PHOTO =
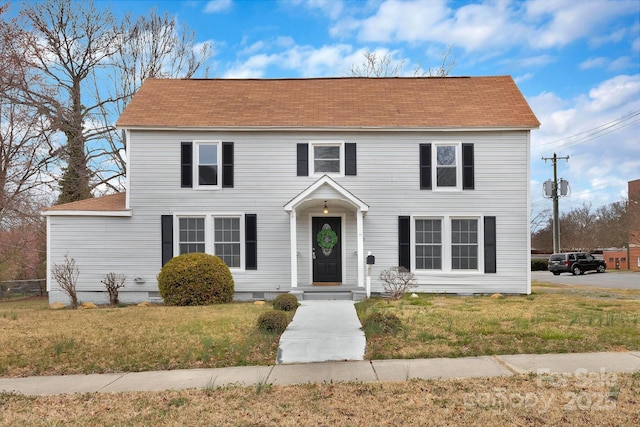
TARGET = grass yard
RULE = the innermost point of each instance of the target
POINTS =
(38, 341)
(554, 319)
(521, 400)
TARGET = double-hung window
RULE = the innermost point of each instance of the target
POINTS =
(191, 235)
(464, 244)
(446, 244)
(226, 240)
(208, 171)
(447, 166)
(428, 244)
(446, 173)
(327, 158)
(217, 235)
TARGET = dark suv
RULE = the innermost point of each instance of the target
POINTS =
(576, 263)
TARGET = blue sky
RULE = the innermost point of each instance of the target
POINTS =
(576, 62)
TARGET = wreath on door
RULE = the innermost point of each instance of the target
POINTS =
(327, 238)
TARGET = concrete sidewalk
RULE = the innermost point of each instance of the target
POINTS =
(578, 364)
(322, 331)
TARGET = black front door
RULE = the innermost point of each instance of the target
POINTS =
(327, 252)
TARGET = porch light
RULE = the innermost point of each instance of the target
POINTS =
(325, 209)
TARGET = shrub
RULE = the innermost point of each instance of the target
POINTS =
(66, 274)
(396, 281)
(274, 321)
(195, 279)
(538, 264)
(114, 282)
(286, 302)
(382, 323)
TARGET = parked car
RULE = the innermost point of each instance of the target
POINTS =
(575, 263)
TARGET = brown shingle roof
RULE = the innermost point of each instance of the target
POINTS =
(442, 102)
(112, 202)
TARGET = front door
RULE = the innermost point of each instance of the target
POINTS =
(326, 249)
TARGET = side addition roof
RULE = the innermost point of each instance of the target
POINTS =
(110, 205)
(352, 103)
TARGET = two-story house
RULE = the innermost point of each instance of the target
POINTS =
(293, 181)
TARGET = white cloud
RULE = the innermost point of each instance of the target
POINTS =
(598, 130)
(331, 8)
(597, 62)
(560, 22)
(216, 6)
(489, 25)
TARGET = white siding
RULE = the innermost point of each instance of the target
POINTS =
(265, 180)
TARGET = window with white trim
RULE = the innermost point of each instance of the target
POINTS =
(447, 173)
(327, 158)
(220, 235)
(428, 235)
(226, 240)
(447, 244)
(191, 235)
(208, 173)
(464, 244)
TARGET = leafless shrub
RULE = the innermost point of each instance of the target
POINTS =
(66, 274)
(113, 282)
(397, 281)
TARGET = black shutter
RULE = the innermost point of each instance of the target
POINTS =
(404, 242)
(489, 244)
(186, 162)
(425, 166)
(303, 159)
(167, 238)
(227, 164)
(250, 242)
(468, 181)
(350, 163)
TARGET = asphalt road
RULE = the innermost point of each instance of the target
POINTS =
(616, 279)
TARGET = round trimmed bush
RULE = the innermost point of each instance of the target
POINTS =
(195, 279)
(382, 323)
(286, 302)
(274, 321)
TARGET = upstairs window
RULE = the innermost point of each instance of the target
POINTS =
(206, 164)
(208, 161)
(327, 158)
(446, 166)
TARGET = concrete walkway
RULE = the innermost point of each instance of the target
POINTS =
(580, 365)
(322, 331)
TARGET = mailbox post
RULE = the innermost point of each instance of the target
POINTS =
(371, 260)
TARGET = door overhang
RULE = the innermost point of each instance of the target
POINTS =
(325, 188)
(309, 194)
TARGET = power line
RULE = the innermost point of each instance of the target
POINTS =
(593, 132)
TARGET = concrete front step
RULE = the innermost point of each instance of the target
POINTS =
(329, 293)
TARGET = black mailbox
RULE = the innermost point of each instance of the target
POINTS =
(371, 260)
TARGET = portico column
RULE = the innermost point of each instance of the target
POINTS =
(360, 237)
(294, 249)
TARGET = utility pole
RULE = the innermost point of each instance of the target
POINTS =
(554, 195)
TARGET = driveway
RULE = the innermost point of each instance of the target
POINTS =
(616, 279)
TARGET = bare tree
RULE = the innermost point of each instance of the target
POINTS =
(377, 65)
(384, 65)
(113, 283)
(153, 46)
(446, 64)
(84, 67)
(66, 274)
